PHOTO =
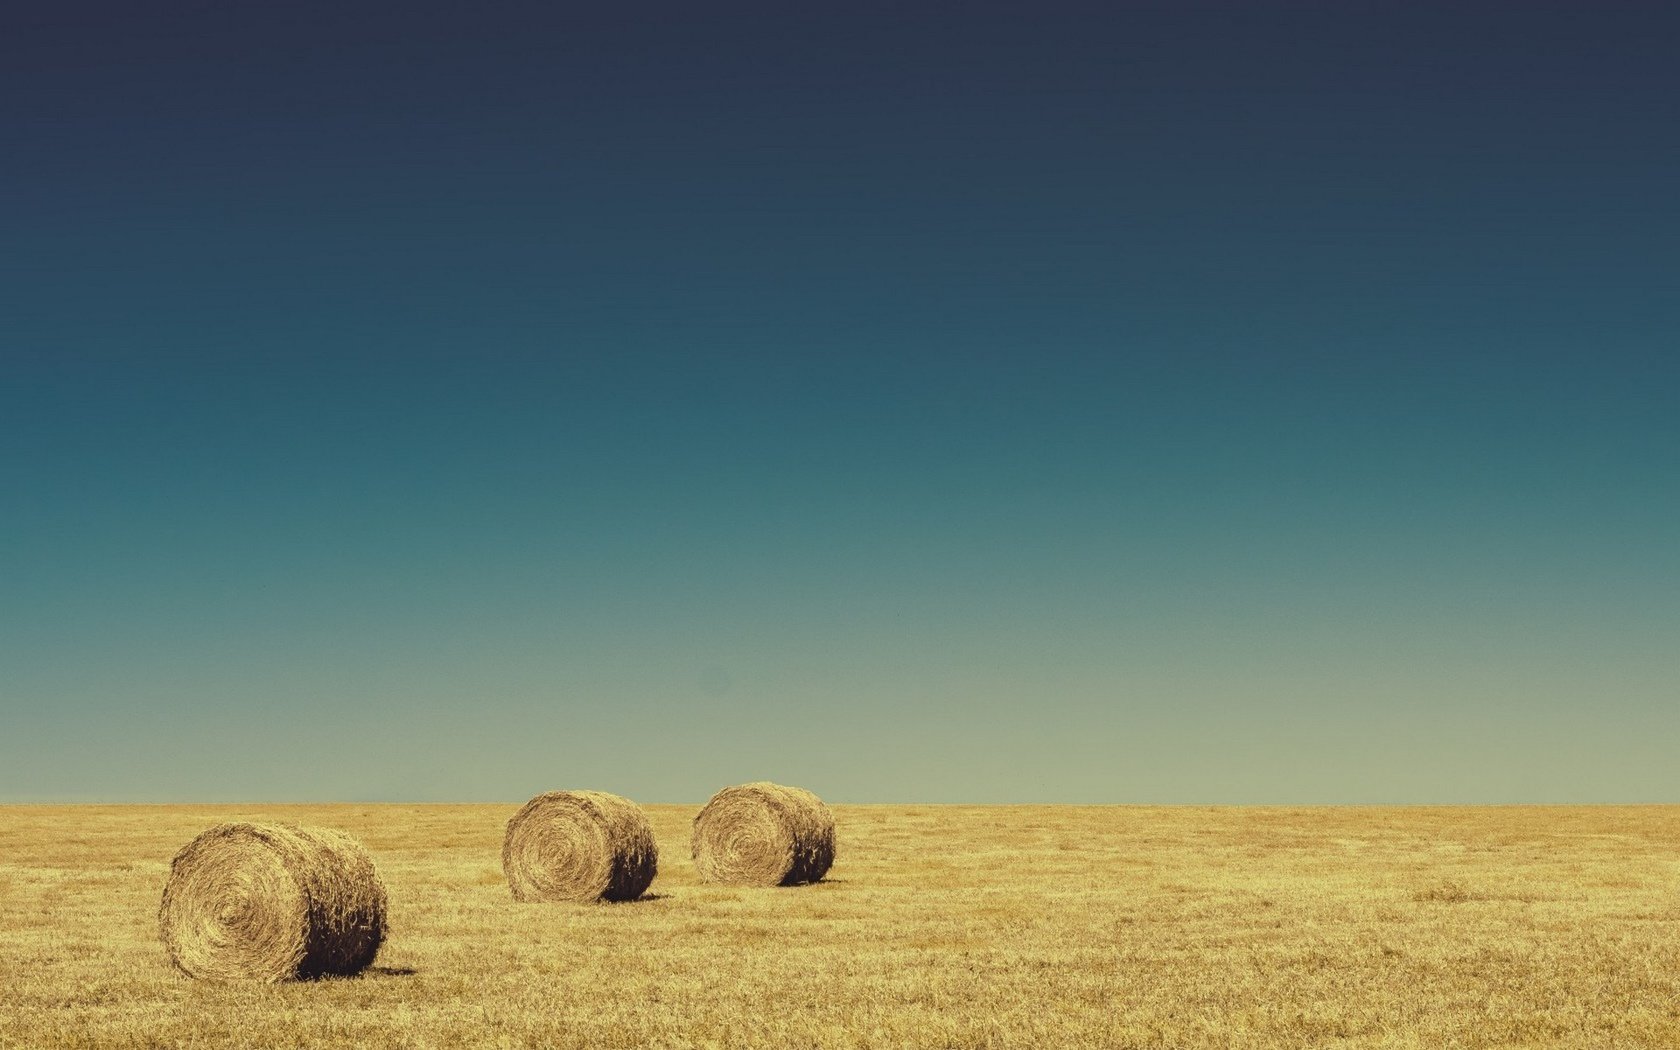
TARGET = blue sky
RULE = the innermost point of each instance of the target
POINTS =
(1169, 403)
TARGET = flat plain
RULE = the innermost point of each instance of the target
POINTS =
(940, 926)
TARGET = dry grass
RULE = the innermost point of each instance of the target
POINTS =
(939, 927)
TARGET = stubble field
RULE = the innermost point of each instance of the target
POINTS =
(938, 927)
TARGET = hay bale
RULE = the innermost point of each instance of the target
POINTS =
(763, 834)
(272, 902)
(579, 846)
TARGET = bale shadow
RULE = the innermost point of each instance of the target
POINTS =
(389, 971)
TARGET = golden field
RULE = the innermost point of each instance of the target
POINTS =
(940, 926)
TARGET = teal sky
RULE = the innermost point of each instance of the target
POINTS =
(1213, 404)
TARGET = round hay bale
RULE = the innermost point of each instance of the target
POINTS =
(579, 846)
(272, 902)
(763, 834)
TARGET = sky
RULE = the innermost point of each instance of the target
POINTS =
(1184, 403)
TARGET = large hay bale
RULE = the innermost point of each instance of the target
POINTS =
(272, 902)
(763, 834)
(579, 846)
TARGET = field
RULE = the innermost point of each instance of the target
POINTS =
(939, 927)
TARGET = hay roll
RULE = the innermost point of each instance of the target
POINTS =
(579, 846)
(763, 834)
(272, 902)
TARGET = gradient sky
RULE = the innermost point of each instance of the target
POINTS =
(1100, 403)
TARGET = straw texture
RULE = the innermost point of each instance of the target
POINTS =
(763, 834)
(579, 846)
(272, 902)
